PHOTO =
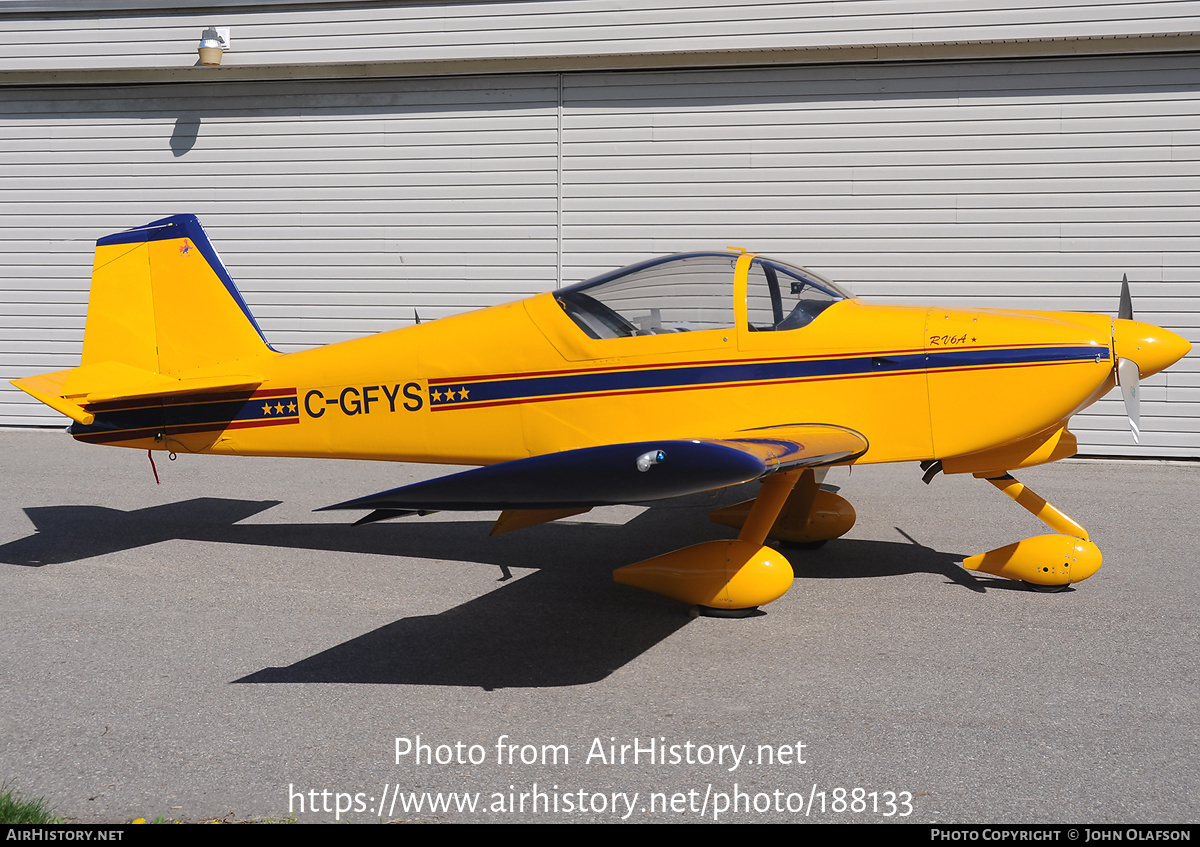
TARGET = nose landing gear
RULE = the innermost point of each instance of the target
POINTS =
(1046, 562)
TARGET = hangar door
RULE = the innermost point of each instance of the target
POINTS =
(351, 206)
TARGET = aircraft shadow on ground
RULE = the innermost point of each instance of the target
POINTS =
(566, 623)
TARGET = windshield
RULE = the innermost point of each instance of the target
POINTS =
(682, 293)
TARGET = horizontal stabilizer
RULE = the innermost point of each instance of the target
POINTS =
(169, 388)
(48, 388)
(624, 473)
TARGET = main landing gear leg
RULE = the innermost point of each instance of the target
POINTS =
(725, 578)
(1046, 562)
(810, 517)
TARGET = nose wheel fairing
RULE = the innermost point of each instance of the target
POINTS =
(1045, 561)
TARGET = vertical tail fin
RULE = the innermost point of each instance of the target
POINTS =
(163, 318)
(163, 302)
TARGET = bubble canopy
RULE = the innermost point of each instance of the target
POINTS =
(692, 292)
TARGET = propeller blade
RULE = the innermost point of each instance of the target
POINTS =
(1125, 310)
(1127, 378)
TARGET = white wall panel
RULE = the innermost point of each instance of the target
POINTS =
(495, 30)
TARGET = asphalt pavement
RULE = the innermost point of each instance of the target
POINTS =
(211, 648)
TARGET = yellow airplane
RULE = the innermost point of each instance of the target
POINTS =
(674, 376)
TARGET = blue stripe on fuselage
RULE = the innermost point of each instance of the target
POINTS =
(470, 392)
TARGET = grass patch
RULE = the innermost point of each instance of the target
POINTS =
(15, 810)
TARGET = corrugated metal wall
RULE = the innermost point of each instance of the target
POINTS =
(341, 207)
(308, 34)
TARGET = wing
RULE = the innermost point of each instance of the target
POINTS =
(623, 473)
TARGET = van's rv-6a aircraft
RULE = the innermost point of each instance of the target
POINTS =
(674, 376)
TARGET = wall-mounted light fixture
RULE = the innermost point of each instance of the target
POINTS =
(214, 41)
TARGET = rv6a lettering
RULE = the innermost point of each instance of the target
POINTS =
(364, 399)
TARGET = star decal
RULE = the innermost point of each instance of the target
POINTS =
(267, 409)
(279, 408)
(291, 408)
(462, 393)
